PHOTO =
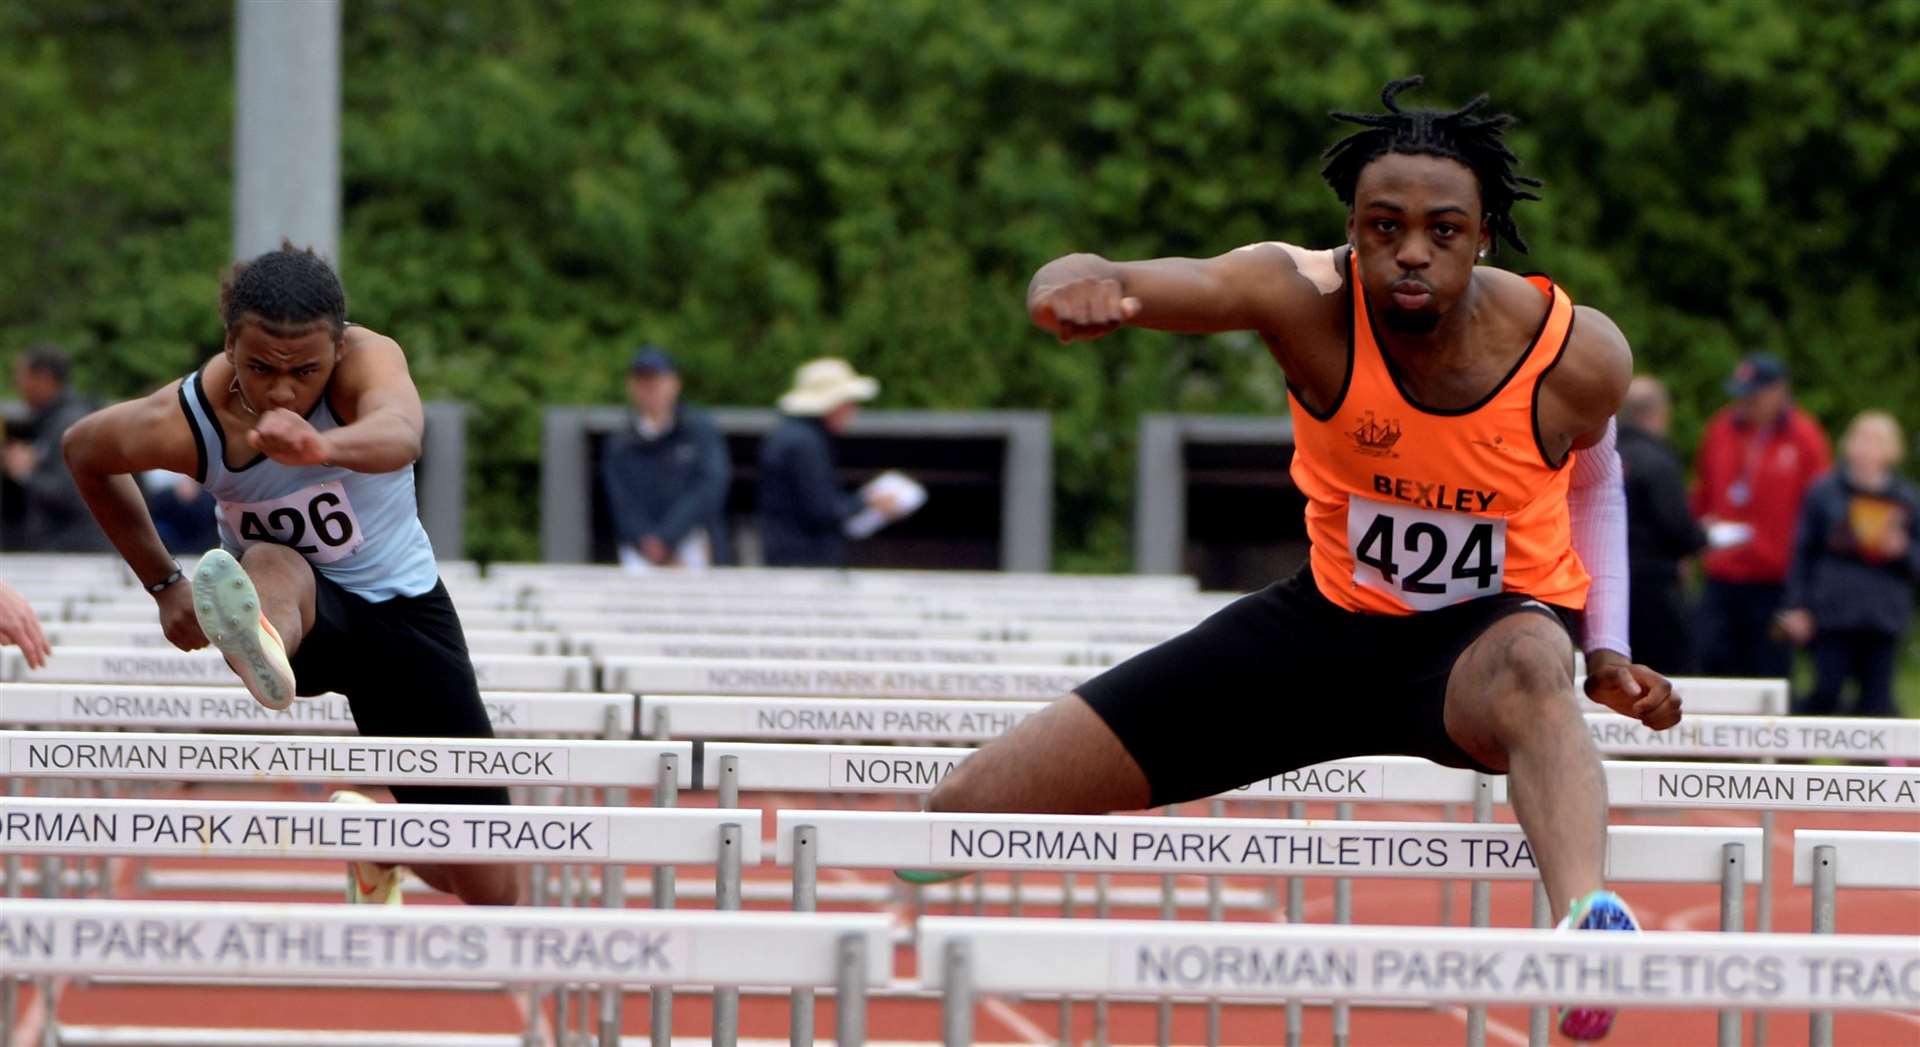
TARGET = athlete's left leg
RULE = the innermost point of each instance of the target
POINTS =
(1511, 705)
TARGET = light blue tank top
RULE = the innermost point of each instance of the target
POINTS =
(361, 530)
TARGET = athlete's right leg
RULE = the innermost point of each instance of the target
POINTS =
(257, 610)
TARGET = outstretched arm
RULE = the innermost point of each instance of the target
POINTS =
(1261, 287)
(104, 450)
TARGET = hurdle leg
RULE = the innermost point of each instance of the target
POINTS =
(726, 897)
(956, 1005)
(537, 898)
(1763, 907)
(1169, 910)
(660, 1000)
(806, 856)
(1216, 912)
(1733, 919)
(9, 985)
(1480, 905)
(1102, 906)
(1066, 1002)
(850, 995)
(1820, 1025)
(1296, 910)
(1342, 915)
(613, 886)
(1537, 1017)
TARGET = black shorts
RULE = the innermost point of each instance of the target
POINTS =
(1284, 678)
(403, 666)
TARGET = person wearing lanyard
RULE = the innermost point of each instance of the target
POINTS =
(1757, 458)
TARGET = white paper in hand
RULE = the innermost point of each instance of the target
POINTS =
(908, 496)
(1728, 533)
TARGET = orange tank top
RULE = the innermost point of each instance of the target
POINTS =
(1413, 509)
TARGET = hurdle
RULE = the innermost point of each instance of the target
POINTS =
(208, 666)
(1828, 859)
(1140, 959)
(512, 947)
(402, 833)
(840, 679)
(231, 708)
(588, 629)
(111, 634)
(761, 649)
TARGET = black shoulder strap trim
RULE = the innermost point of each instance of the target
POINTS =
(1539, 382)
(199, 439)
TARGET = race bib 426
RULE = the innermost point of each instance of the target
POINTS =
(1427, 559)
(317, 522)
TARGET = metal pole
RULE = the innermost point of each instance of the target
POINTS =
(286, 134)
(956, 1006)
(1480, 903)
(806, 856)
(1216, 912)
(1342, 915)
(1296, 913)
(726, 897)
(1067, 899)
(1537, 1017)
(729, 781)
(613, 886)
(1820, 1026)
(1733, 919)
(850, 999)
(1102, 906)
(536, 897)
(1446, 886)
(1763, 907)
(660, 1000)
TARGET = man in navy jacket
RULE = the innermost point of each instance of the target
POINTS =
(666, 473)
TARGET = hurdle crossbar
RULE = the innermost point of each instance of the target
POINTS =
(1424, 964)
(97, 755)
(79, 705)
(387, 832)
(1770, 787)
(1240, 846)
(1861, 858)
(186, 940)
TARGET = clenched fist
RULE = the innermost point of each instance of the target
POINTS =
(1632, 690)
(288, 439)
(1082, 309)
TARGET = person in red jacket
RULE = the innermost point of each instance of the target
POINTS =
(1757, 458)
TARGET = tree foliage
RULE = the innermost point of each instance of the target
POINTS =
(531, 188)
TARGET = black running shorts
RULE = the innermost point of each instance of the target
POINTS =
(403, 666)
(1283, 678)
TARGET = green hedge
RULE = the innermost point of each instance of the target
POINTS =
(531, 188)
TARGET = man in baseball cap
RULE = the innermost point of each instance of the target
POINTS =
(1757, 458)
(665, 473)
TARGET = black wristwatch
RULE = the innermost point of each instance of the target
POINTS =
(159, 586)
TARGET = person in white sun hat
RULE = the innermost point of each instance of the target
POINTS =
(803, 508)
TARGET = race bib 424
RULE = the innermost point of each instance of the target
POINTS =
(1427, 559)
(317, 522)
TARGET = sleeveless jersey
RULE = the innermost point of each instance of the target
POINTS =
(1411, 508)
(361, 531)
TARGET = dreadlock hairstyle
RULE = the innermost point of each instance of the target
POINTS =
(1474, 141)
(288, 292)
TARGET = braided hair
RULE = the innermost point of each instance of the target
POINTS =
(1461, 135)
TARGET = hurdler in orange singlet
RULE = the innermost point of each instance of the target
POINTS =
(1412, 509)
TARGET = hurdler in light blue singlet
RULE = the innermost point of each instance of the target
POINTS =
(359, 530)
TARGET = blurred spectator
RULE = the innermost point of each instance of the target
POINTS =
(54, 518)
(1756, 460)
(803, 510)
(19, 627)
(1660, 530)
(666, 474)
(182, 511)
(1856, 558)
